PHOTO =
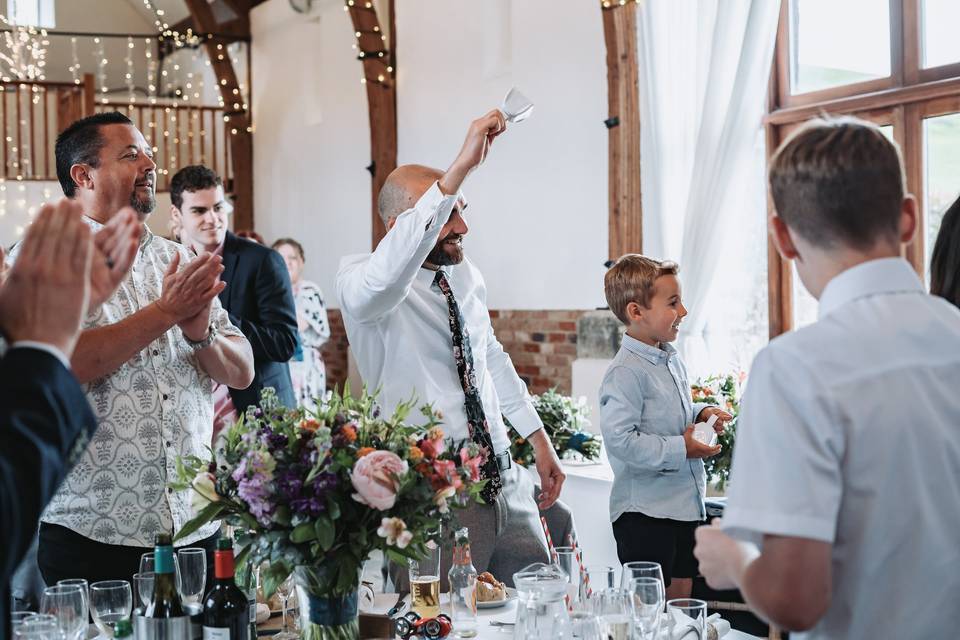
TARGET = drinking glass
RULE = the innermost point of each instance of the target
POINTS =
(147, 566)
(596, 578)
(193, 574)
(615, 610)
(425, 582)
(640, 569)
(110, 601)
(68, 605)
(39, 626)
(285, 590)
(567, 560)
(687, 619)
(17, 617)
(648, 596)
(83, 584)
(143, 588)
(582, 625)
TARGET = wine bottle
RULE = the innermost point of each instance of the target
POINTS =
(225, 609)
(166, 601)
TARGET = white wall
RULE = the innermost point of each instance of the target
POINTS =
(538, 210)
(312, 141)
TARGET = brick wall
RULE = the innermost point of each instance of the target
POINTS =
(542, 345)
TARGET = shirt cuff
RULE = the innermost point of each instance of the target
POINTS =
(676, 453)
(700, 406)
(525, 421)
(432, 203)
(43, 346)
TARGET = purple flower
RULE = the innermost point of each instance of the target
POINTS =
(254, 476)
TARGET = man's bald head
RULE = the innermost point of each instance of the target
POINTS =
(403, 187)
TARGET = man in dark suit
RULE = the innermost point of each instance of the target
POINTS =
(258, 297)
(45, 420)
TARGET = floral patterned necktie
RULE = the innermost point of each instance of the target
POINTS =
(476, 420)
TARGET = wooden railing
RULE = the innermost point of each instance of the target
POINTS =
(33, 113)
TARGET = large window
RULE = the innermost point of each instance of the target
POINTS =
(901, 71)
(31, 13)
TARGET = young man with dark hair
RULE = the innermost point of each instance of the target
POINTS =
(258, 296)
(147, 359)
(845, 469)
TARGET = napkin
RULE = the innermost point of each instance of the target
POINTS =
(516, 107)
(681, 627)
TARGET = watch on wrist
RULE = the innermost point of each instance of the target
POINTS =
(197, 345)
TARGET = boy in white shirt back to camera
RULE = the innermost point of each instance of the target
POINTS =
(846, 471)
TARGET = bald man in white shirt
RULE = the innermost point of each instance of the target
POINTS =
(416, 316)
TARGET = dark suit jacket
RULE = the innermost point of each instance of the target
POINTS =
(259, 299)
(45, 424)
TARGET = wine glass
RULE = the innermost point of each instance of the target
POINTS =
(147, 565)
(648, 599)
(110, 601)
(285, 590)
(582, 625)
(640, 569)
(83, 584)
(615, 610)
(68, 605)
(143, 586)
(192, 563)
(687, 616)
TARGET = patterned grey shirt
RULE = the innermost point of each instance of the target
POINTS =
(155, 407)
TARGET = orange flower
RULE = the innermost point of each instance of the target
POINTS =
(364, 451)
(349, 432)
(415, 454)
(309, 424)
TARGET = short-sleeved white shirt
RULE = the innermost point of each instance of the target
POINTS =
(850, 434)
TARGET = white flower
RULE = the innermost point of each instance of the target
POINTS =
(204, 491)
(395, 531)
(441, 497)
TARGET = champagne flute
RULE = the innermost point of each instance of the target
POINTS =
(193, 574)
(67, 604)
(284, 590)
(110, 602)
(615, 610)
(648, 597)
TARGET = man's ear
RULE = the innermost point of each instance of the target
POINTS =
(175, 214)
(391, 222)
(782, 240)
(80, 174)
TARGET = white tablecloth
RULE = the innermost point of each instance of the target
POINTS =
(506, 613)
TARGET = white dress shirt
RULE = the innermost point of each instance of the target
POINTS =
(155, 407)
(398, 328)
(850, 434)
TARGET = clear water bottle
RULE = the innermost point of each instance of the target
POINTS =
(463, 588)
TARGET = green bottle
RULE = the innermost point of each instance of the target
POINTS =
(166, 601)
(124, 629)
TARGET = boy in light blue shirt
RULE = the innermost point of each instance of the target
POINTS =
(646, 416)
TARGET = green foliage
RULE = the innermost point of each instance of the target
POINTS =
(724, 392)
(565, 421)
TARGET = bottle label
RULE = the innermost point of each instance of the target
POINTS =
(214, 633)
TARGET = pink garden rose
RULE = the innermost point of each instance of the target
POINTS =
(375, 477)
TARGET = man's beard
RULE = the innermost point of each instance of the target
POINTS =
(443, 256)
(143, 206)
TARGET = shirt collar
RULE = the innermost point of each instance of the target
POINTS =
(645, 351)
(875, 277)
(146, 236)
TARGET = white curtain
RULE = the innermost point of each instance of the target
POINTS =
(704, 69)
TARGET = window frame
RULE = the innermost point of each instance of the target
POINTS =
(904, 99)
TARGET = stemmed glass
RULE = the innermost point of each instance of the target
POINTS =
(68, 605)
(640, 569)
(193, 574)
(285, 590)
(687, 616)
(147, 565)
(110, 602)
(143, 586)
(648, 597)
(78, 582)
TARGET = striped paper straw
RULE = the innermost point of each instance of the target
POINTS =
(584, 576)
(550, 547)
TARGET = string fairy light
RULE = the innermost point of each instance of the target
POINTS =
(379, 55)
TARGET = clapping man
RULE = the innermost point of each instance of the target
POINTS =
(148, 358)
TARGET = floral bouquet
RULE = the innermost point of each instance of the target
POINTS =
(314, 492)
(724, 392)
(564, 421)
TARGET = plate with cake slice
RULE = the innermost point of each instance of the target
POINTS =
(491, 593)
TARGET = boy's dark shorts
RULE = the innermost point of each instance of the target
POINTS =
(669, 542)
